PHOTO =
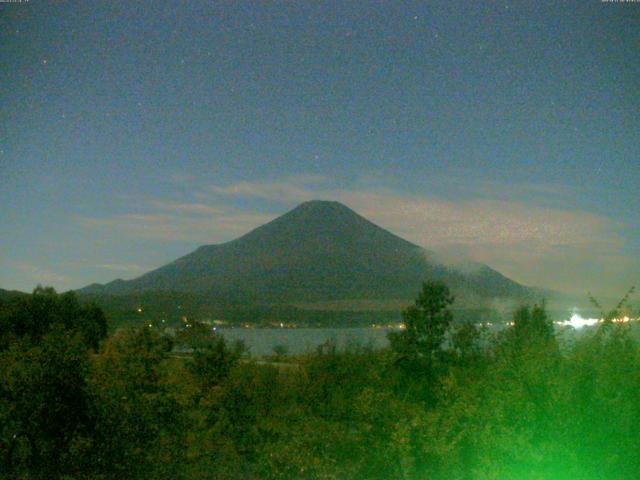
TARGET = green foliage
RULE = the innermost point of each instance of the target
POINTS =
(280, 351)
(43, 403)
(194, 335)
(426, 322)
(532, 325)
(138, 424)
(32, 316)
(519, 405)
(419, 350)
(44, 407)
(213, 361)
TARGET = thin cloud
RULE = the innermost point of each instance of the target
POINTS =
(188, 208)
(201, 226)
(292, 189)
(39, 275)
(432, 222)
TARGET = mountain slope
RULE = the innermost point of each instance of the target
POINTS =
(7, 295)
(319, 251)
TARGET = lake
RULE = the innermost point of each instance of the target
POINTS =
(260, 341)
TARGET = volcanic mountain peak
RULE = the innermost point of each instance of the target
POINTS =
(319, 251)
(313, 229)
(319, 217)
(322, 207)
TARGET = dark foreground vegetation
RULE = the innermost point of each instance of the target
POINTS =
(444, 401)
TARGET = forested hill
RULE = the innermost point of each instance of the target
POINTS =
(10, 294)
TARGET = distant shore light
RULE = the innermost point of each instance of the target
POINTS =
(576, 321)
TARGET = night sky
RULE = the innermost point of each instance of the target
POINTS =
(133, 132)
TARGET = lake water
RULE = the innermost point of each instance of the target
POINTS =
(261, 341)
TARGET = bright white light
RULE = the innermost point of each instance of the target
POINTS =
(576, 321)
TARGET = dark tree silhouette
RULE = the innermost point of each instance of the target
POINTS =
(419, 347)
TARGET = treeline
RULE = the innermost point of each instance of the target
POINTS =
(172, 307)
(445, 401)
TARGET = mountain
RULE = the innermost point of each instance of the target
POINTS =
(318, 252)
(7, 295)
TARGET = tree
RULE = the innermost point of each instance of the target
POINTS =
(44, 409)
(426, 323)
(419, 347)
(466, 340)
(195, 336)
(32, 316)
(280, 351)
(532, 325)
(212, 363)
(139, 424)
(616, 312)
(42, 403)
